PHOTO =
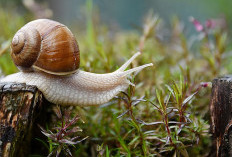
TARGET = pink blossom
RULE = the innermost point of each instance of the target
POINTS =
(205, 84)
(216, 23)
(209, 24)
(198, 26)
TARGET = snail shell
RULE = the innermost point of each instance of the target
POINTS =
(45, 45)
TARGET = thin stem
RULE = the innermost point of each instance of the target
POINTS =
(143, 143)
(4, 50)
(167, 128)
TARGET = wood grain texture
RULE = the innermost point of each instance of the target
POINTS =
(19, 106)
(221, 116)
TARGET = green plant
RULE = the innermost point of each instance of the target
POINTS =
(61, 138)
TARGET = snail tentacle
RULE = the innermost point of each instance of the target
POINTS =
(128, 62)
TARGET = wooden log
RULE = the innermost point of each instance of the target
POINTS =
(221, 116)
(19, 106)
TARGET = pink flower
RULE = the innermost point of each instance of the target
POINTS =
(198, 26)
(205, 84)
(210, 23)
(216, 23)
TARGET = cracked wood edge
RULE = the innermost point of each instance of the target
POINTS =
(19, 106)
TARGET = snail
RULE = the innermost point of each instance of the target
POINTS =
(48, 56)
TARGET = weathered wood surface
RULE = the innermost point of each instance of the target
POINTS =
(221, 116)
(20, 104)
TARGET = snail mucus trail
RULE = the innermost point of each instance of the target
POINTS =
(54, 66)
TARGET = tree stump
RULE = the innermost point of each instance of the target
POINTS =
(19, 106)
(221, 116)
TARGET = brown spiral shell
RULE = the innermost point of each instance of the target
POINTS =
(45, 45)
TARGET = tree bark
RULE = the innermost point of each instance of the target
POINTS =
(221, 116)
(20, 104)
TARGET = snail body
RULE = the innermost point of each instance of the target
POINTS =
(69, 85)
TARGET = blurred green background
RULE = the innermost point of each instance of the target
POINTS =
(127, 14)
